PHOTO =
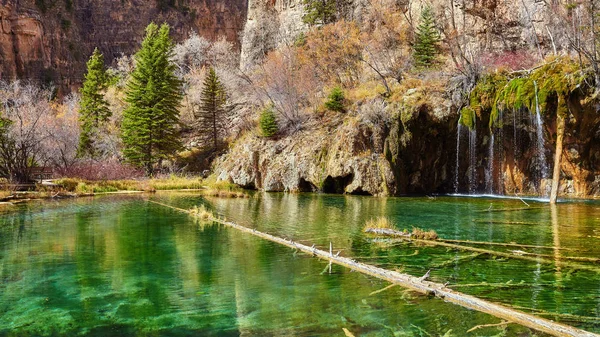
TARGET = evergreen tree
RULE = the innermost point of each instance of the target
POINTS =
(426, 39)
(335, 100)
(211, 115)
(93, 110)
(319, 11)
(153, 93)
(268, 122)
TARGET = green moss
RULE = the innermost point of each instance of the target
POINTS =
(467, 117)
(553, 81)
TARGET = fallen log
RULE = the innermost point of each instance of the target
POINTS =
(515, 255)
(499, 222)
(509, 209)
(503, 244)
(488, 326)
(416, 284)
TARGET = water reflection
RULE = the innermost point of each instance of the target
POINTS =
(553, 286)
(122, 266)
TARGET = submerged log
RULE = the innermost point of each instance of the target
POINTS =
(416, 284)
(519, 255)
(509, 209)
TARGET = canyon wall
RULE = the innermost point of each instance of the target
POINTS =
(50, 40)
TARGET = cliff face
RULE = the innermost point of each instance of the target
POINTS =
(341, 157)
(50, 40)
(490, 26)
(355, 155)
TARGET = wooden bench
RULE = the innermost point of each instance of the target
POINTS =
(41, 173)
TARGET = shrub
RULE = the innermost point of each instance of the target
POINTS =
(103, 170)
(335, 100)
(201, 212)
(418, 233)
(268, 122)
(381, 222)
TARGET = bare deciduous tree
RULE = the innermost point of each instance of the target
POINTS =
(27, 110)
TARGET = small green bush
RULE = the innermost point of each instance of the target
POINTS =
(268, 122)
(335, 100)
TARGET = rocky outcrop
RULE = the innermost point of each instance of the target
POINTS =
(356, 153)
(339, 158)
(50, 40)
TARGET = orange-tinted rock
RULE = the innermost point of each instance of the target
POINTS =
(52, 44)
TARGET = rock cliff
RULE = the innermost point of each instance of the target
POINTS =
(50, 40)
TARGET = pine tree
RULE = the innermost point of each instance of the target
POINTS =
(426, 39)
(93, 110)
(335, 100)
(211, 115)
(319, 11)
(268, 122)
(154, 94)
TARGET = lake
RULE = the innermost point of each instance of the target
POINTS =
(121, 266)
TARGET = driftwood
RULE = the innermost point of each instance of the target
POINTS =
(505, 285)
(572, 258)
(513, 255)
(509, 209)
(383, 289)
(498, 222)
(488, 326)
(347, 332)
(503, 244)
(457, 260)
(416, 284)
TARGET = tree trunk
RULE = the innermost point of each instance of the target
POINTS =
(560, 132)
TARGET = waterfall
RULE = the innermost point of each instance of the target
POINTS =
(457, 172)
(473, 161)
(541, 155)
(489, 173)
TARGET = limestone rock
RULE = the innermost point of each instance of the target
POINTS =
(341, 162)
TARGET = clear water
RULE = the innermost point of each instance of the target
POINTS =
(123, 266)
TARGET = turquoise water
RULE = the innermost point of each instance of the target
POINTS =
(121, 266)
(571, 229)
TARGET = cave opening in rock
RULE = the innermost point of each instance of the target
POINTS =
(306, 186)
(337, 185)
(359, 191)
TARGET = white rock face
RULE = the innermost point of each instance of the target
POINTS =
(268, 26)
(342, 160)
(490, 26)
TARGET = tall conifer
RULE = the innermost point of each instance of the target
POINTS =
(93, 110)
(319, 11)
(211, 115)
(153, 93)
(426, 39)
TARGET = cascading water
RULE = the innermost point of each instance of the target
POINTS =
(542, 166)
(456, 174)
(472, 161)
(489, 173)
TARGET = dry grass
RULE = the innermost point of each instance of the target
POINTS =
(381, 222)
(5, 194)
(223, 189)
(225, 193)
(201, 212)
(418, 233)
(176, 183)
(102, 186)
